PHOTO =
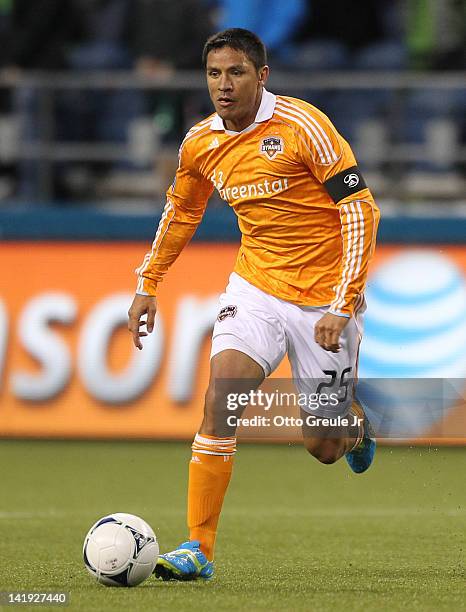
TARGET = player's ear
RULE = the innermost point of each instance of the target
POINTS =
(263, 75)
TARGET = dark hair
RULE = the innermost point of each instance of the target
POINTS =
(241, 40)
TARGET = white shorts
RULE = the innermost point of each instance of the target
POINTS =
(267, 328)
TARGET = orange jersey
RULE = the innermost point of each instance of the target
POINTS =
(298, 243)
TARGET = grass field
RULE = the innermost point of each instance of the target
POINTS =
(294, 535)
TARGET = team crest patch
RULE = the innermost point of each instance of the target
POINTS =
(227, 311)
(272, 146)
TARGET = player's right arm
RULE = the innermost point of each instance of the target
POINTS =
(142, 305)
(186, 202)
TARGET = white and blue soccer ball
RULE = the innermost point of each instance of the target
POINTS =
(120, 550)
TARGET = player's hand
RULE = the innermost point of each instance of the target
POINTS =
(142, 305)
(327, 331)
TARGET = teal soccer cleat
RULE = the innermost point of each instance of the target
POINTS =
(187, 562)
(360, 458)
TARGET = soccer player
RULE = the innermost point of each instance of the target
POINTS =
(308, 225)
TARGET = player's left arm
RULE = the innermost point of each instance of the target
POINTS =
(332, 162)
(359, 217)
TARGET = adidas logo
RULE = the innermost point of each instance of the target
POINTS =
(214, 144)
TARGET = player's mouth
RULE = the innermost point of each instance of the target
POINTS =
(225, 102)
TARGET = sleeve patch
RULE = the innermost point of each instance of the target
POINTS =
(344, 184)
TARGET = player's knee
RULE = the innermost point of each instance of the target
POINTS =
(325, 451)
(326, 457)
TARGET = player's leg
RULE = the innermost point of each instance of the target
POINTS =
(329, 379)
(329, 443)
(211, 465)
(248, 343)
(232, 372)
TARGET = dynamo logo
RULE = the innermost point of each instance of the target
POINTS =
(351, 180)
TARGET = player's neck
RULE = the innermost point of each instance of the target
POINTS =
(240, 124)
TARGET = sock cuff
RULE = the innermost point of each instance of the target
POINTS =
(210, 445)
(359, 412)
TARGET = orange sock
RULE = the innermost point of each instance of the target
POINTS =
(209, 474)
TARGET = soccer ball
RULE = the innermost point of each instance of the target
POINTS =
(120, 550)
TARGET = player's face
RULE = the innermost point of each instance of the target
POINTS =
(235, 86)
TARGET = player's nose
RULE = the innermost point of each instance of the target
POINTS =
(224, 84)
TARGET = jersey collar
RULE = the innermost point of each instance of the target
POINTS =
(265, 112)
